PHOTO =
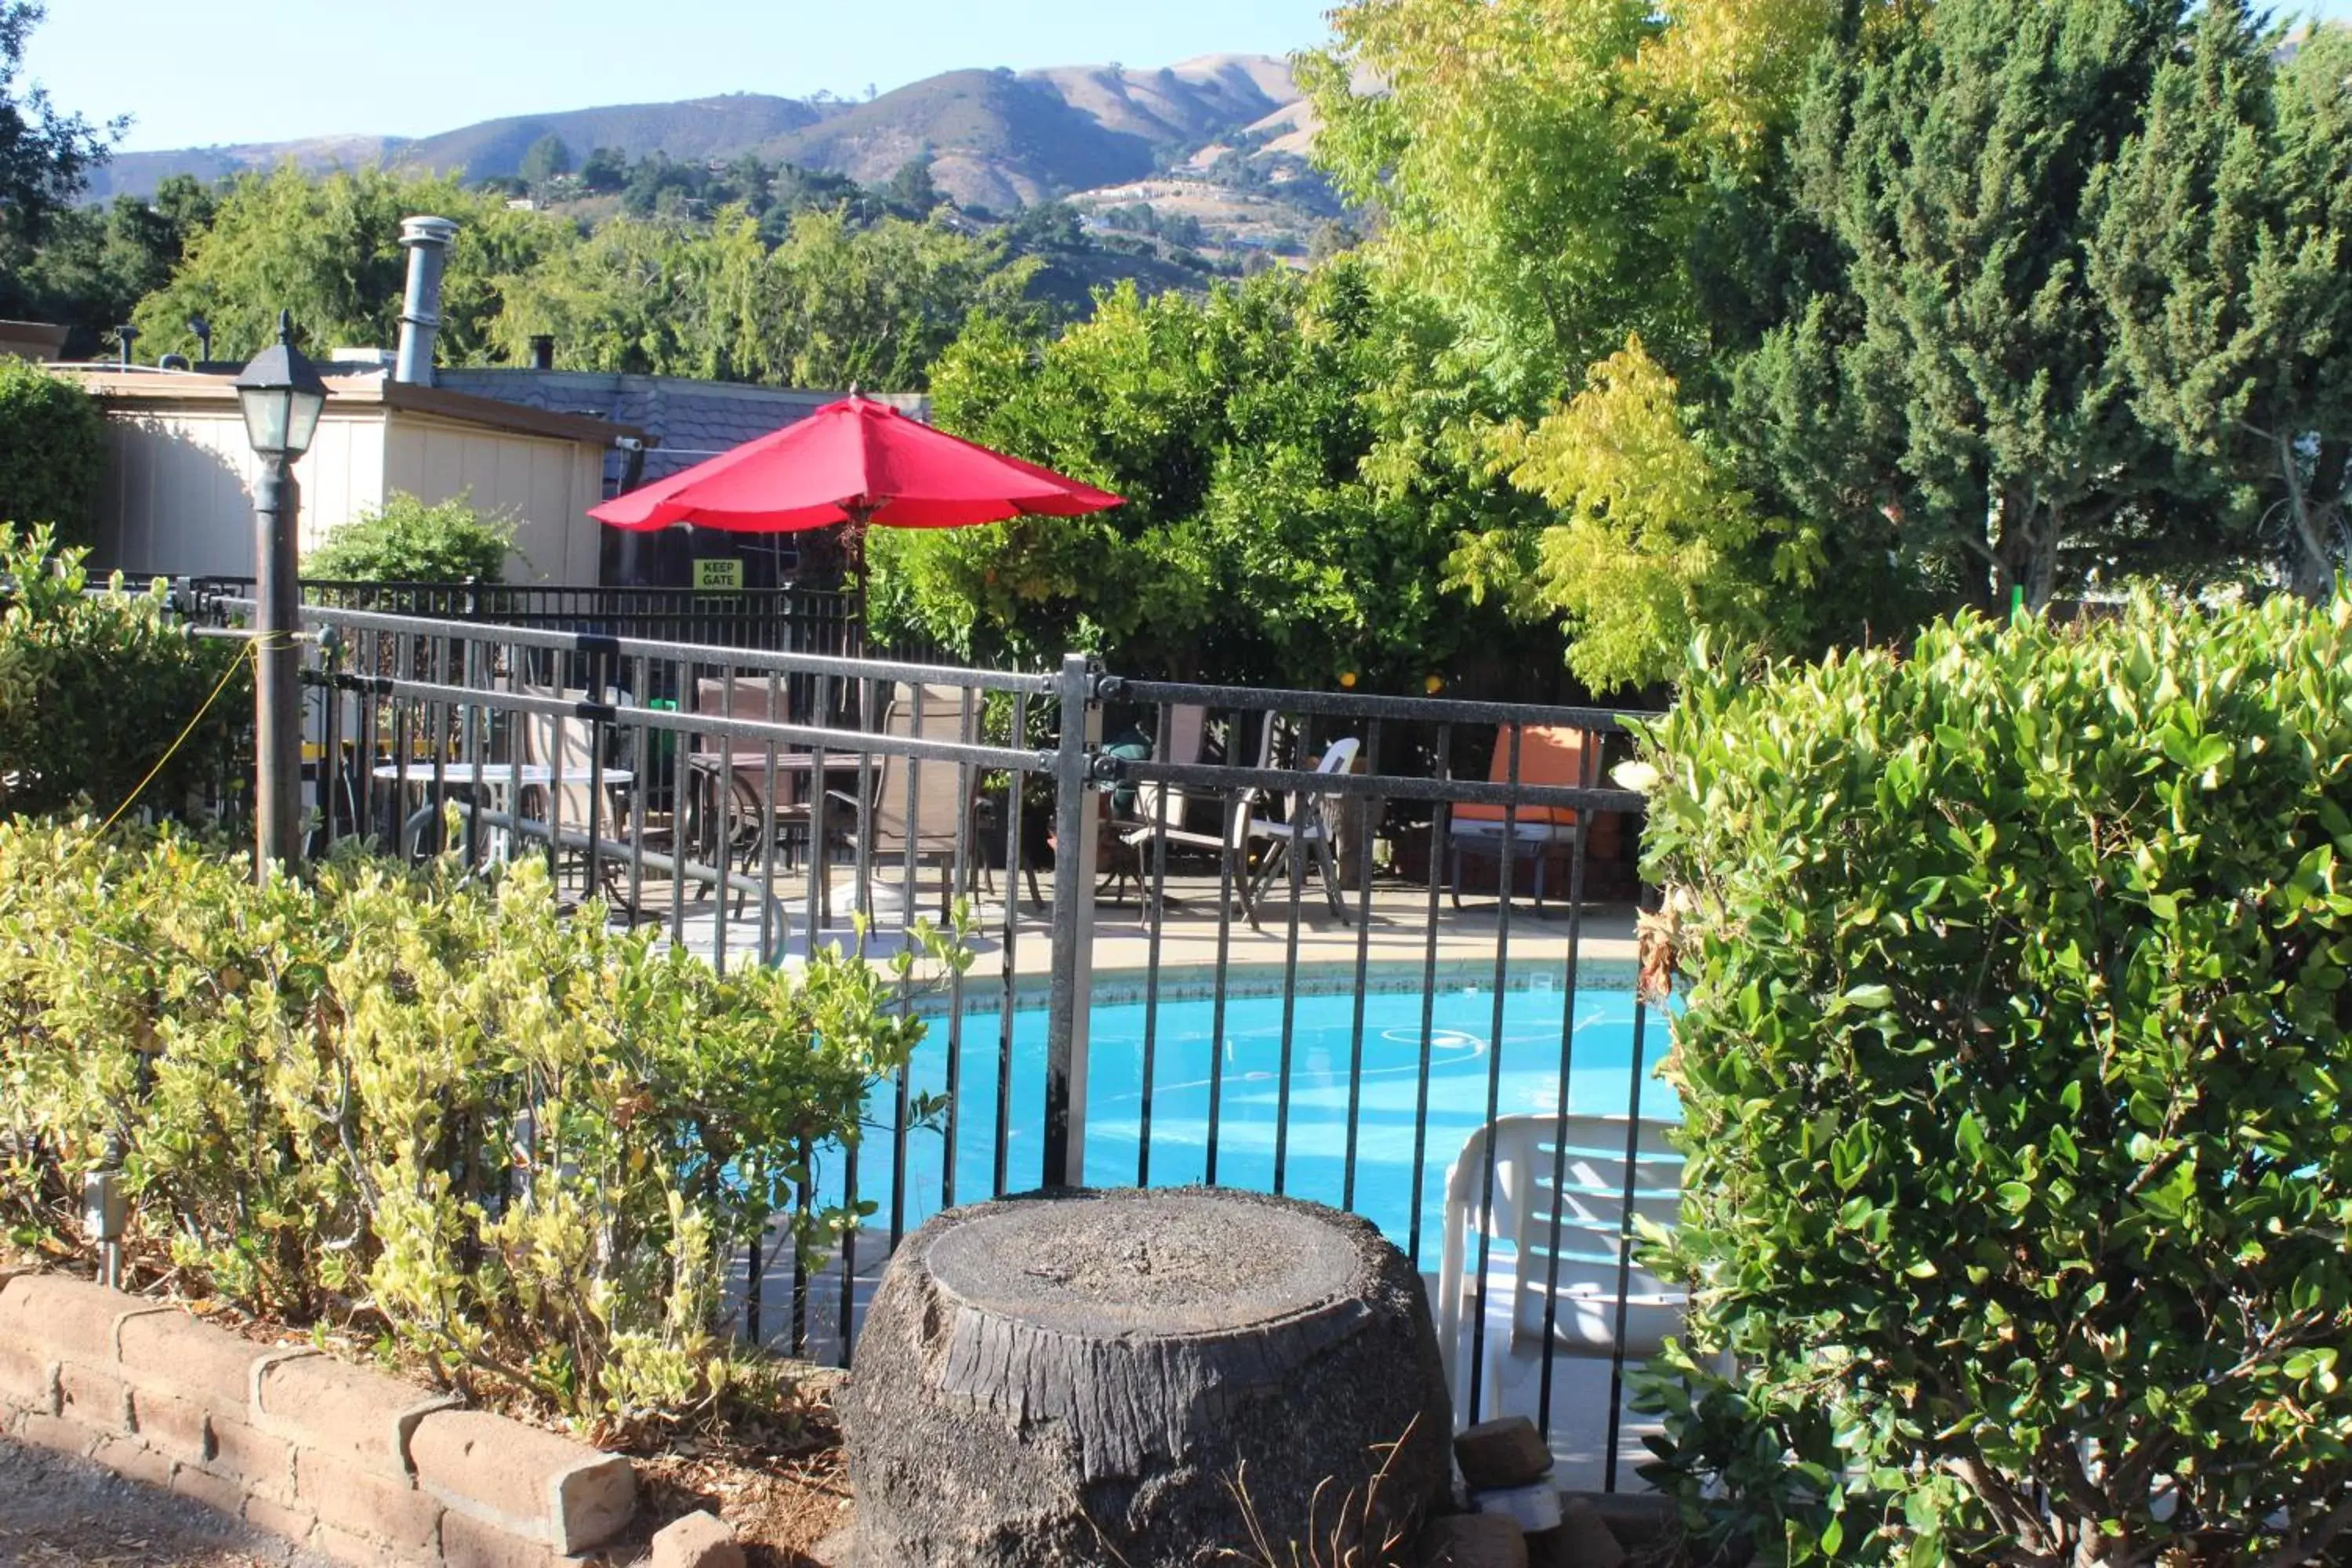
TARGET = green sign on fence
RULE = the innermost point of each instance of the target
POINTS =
(723, 576)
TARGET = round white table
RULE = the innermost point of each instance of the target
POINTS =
(499, 778)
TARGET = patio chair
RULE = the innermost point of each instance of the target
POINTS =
(569, 746)
(1307, 828)
(742, 810)
(1549, 755)
(920, 807)
(1161, 812)
(1578, 1277)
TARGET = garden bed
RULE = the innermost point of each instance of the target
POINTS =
(775, 1478)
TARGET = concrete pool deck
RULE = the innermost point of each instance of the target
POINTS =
(1398, 934)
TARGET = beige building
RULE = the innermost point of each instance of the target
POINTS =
(36, 340)
(178, 496)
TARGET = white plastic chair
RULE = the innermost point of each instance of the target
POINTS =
(1306, 830)
(1591, 1194)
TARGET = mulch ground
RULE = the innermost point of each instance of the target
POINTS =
(779, 1511)
(60, 1512)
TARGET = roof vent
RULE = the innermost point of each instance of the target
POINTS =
(427, 241)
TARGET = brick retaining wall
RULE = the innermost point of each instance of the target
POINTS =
(360, 1466)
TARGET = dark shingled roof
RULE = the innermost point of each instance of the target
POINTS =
(684, 421)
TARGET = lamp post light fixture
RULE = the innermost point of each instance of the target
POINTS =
(282, 398)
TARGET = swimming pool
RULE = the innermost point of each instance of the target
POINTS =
(1243, 1078)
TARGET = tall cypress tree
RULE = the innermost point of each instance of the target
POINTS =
(2224, 235)
(1959, 395)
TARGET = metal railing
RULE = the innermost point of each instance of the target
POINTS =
(1286, 943)
(791, 619)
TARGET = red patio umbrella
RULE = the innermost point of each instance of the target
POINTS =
(857, 462)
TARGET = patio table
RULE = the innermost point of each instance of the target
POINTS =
(498, 778)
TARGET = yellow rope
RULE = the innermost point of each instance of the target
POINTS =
(173, 750)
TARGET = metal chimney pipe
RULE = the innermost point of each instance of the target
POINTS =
(427, 243)
(542, 352)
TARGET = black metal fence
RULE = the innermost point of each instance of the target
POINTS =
(794, 618)
(1265, 959)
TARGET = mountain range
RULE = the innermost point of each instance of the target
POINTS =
(1225, 133)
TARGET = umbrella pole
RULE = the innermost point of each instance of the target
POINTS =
(855, 539)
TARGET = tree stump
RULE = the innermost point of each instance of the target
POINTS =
(1103, 1376)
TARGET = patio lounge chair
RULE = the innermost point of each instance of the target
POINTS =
(1307, 828)
(1549, 755)
(1578, 1277)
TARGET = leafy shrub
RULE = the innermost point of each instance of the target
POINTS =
(522, 1146)
(409, 541)
(94, 690)
(52, 449)
(2018, 1091)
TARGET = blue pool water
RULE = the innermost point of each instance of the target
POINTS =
(1244, 1075)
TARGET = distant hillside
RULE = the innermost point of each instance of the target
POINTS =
(1221, 138)
(138, 174)
(1176, 106)
(697, 128)
(996, 139)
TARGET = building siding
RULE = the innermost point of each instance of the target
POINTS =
(544, 485)
(178, 496)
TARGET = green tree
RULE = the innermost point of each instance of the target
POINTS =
(606, 170)
(95, 264)
(2223, 239)
(46, 154)
(1571, 185)
(411, 541)
(796, 190)
(1267, 533)
(834, 304)
(52, 450)
(1047, 229)
(747, 183)
(1542, 165)
(327, 250)
(543, 160)
(1959, 393)
(1656, 539)
(657, 183)
(910, 193)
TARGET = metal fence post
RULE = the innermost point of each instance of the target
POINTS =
(277, 663)
(1074, 928)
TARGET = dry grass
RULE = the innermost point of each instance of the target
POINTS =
(1357, 1534)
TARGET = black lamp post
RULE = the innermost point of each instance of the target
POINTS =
(282, 397)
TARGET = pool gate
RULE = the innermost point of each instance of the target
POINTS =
(757, 803)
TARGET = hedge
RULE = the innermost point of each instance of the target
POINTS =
(410, 541)
(2017, 1093)
(519, 1147)
(52, 450)
(103, 696)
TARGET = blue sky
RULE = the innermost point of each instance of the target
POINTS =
(198, 72)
